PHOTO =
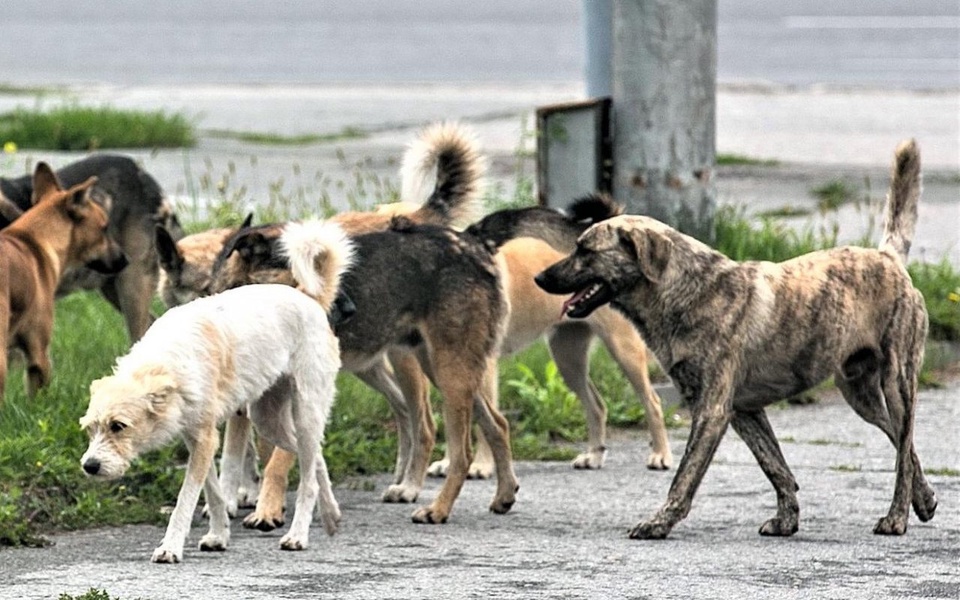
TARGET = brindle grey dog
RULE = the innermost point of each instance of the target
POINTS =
(736, 337)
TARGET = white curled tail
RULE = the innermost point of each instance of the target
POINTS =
(319, 253)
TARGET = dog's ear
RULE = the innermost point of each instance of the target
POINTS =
(79, 199)
(253, 247)
(170, 258)
(247, 222)
(650, 248)
(44, 182)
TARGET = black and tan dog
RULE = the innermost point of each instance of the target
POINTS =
(64, 229)
(529, 240)
(736, 337)
(427, 292)
(446, 153)
(135, 205)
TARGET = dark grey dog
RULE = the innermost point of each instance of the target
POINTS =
(736, 337)
(136, 205)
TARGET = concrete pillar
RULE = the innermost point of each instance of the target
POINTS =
(664, 110)
(598, 47)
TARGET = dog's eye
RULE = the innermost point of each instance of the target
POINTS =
(117, 426)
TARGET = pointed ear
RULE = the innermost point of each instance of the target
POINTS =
(253, 247)
(80, 198)
(247, 222)
(650, 248)
(44, 182)
(170, 258)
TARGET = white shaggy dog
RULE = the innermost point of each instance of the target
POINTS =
(266, 346)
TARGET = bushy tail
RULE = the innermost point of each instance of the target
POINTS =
(449, 154)
(902, 200)
(319, 253)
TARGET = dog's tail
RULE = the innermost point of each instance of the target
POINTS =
(449, 154)
(319, 253)
(902, 200)
(594, 208)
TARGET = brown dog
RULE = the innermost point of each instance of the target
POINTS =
(64, 229)
(736, 337)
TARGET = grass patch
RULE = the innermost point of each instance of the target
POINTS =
(834, 194)
(86, 128)
(91, 594)
(276, 139)
(847, 468)
(10, 89)
(943, 472)
(724, 160)
(784, 212)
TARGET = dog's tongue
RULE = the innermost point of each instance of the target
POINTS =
(571, 301)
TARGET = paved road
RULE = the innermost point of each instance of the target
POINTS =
(884, 43)
(566, 537)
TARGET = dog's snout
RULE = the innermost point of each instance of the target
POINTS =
(343, 309)
(541, 280)
(91, 466)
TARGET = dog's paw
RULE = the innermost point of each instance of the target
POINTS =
(659, 461)
(231, 510)
(166, 555)
(246, 498)
(779, 527)
(429, 515)
(891, 526)
(479, 470)
(401, 494)
(330, 519)
(212, 542)
(925, 505)
(502, 506)
(438, 468)
(293, 543)
(591, 459)
(262, 522)
(650, 530)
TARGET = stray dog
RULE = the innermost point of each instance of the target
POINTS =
(736, 337)
(135, 204)
(268, 347)
(64, 229)
(447, 154)
(529, 240)
(421, 291)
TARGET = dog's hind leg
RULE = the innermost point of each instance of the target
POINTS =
(711, 412)
(755, 430)
(632, 355)
(415, 389)
(311, 397)
(137, 283)
(496, 430)
(36, 347)
(202, 445)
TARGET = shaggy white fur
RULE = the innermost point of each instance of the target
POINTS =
(269, 347)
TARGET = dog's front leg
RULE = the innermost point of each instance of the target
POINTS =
(202, 449)
(233, 460)
(712, 412)
(755, 430)
(219, 535)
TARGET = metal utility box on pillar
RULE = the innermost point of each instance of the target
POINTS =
(664, 110)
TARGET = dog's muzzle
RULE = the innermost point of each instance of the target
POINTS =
(91, 466)
(342, 310)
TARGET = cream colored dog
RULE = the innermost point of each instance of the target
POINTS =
(269, 347)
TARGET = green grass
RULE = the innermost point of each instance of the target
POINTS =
(89, 128)
(276, 139)
(91, 594)
(834, 194)
(943, 472)
(739, 159)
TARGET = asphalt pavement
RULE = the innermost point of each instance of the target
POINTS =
(566, 536)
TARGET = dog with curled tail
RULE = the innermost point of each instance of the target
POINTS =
(269, 348)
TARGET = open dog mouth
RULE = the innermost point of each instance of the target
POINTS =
(585, 301)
